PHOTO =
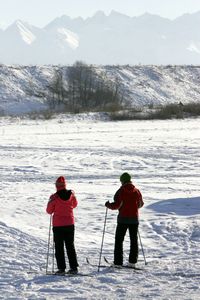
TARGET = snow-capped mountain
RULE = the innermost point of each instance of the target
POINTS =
(20, 31)
(16, 42)
(102, 39)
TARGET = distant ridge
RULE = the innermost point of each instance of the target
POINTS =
(102, 39)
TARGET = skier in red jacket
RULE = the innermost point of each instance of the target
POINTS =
(61, 205)
(127, 200)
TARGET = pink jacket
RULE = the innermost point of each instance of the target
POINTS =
(62, 208)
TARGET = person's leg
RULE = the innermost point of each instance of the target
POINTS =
(119, 238)
(133, 255)
(69, 243)
(59, 248)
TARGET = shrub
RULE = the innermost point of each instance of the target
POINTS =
(168, 112)
(192, 109)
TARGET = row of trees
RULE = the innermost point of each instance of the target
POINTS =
(81, 88)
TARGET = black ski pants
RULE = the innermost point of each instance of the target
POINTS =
(119, 239)
(64, 236)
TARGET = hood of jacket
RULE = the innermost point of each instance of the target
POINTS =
(64, 194)
(128, 186)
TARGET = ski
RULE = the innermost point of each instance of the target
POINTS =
(69, 275)
(33, 272)
(95, 265)
(109, 265)
(123, 266)
(37, 272)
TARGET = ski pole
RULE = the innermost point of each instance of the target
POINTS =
(102, 239)
(145, 262)
(48, 247)
(53, 254)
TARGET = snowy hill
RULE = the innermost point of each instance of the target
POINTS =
(102, 39)
(25, 88)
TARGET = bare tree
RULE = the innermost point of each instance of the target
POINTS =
(81, 87)
(56, 88)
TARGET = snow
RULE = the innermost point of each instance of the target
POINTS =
(194, 48)
(163, 158)
(27, 36)
(22, 90)
(70, 37)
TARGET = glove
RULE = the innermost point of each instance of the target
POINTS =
(107, 203)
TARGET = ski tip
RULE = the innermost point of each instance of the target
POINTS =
(87, 260)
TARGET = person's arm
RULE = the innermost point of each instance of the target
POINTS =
(117, 201)
(140, 201)
(50, 205)
(74, 200)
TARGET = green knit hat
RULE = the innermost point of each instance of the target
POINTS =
(125, 177)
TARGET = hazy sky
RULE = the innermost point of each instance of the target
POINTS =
(40, 12)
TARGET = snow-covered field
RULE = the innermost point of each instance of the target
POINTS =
(164, 160)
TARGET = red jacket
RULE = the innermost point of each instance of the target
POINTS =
(127, 200)
(61, 205)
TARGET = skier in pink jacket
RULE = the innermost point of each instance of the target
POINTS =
(61, 205)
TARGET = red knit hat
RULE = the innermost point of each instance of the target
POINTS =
(60, 183)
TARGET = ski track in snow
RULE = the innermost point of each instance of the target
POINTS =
(163, 158)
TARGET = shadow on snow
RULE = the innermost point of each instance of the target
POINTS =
(179, 206)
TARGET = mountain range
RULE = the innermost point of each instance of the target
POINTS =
(101, 39)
